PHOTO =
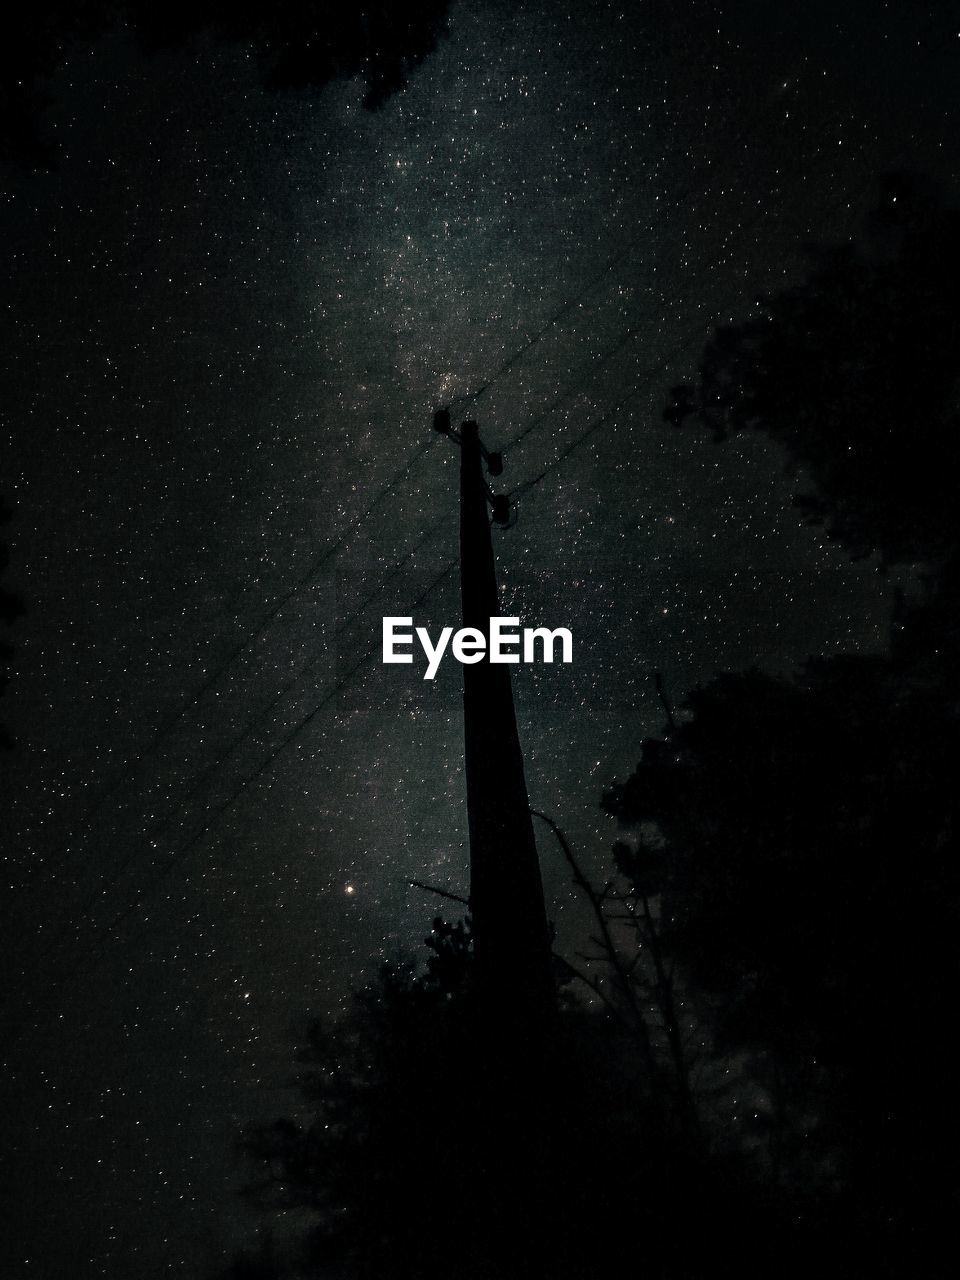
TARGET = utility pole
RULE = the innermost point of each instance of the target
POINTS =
(510, 934)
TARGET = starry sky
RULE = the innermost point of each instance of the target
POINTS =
(228, 316)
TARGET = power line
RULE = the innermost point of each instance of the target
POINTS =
(115, 877)
(272, 613)
(577, 442)
(113, 925)
(593, 281)
(172, 721)
(305, 721)
(597, 424)
(103, 889)
(200, 782)
(532, 342)
(677, 350)
(605, 418)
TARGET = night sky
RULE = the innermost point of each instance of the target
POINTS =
(229, 314)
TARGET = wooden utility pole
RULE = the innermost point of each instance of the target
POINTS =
(510, 934)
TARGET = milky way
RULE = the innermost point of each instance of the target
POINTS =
(229, 318)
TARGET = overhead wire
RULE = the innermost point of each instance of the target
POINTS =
(292, 734)
(104, 933)
(577, 442)
(132, 763)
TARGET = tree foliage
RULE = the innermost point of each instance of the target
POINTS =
(786, 881)
(302, 45)
(430, 1148)
(800, 835)
(855, 373)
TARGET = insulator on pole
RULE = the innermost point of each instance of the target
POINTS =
(500, 505)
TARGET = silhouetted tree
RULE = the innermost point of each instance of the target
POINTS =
(855, 373)
(420, 1158)
(786, 887)
(799, 836)
(300, 46)
(628, 970)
